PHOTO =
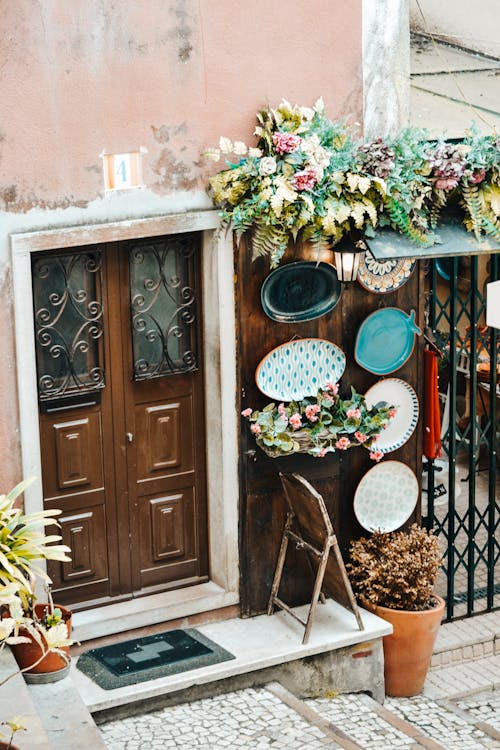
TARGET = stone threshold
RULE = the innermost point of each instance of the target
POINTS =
(145, 611)
(261, 644)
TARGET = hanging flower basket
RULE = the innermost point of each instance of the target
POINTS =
(320, 424)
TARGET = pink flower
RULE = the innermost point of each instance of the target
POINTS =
(255, 428)
(322, 453)
(376, 455)
(306, 179)
(328, 398)
(311, 412)
(332, 387)
(447, 183)
(246, 412)
(360, 437)
(296, 421)
(393, 413)
(343, 443)
(478, 176)
(354, 414)
(281, 409)
(285, 143)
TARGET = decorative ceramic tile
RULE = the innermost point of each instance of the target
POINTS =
(297, 369)
(401, 427)
(386, 496)
(383, 276)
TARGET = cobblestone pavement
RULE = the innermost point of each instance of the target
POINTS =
(484, 706)
(252, 718)
(257, 719)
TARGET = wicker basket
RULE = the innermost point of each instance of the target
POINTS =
(304, 441)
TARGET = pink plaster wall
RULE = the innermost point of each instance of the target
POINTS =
(80, 76)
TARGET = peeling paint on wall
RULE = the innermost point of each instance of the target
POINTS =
(16, 202)
(174, 173)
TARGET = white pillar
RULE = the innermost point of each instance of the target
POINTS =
(386, 67)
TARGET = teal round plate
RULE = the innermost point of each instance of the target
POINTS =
(300, 291)
(385, 340)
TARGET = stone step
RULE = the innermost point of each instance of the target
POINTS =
(463, 678)
(265, 649)
(467, 640)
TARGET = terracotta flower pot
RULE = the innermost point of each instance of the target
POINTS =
(5, 745)
(408, 651)
(27, 654)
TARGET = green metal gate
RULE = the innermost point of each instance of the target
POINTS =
(462, 486)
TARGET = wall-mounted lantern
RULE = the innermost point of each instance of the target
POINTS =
(348, 254)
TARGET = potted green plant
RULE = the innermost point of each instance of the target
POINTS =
(38, 633)
(320, 424)
(393, 575)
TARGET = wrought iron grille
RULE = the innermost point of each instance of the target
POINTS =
(67, 297)
(469, 520)
(163, 302)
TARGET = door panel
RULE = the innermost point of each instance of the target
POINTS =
(123, 461)
(165, 438)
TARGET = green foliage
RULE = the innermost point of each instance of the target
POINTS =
(310, 179)
(397, 569)
(23, 543)
(324, 423)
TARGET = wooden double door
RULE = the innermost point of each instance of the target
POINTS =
(120, 381)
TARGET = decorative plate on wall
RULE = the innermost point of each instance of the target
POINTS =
(383, 276)
(300, 291)
(401, 427)
(386, 496)
(297, 369)
(385, 340)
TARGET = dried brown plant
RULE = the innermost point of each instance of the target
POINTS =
(397, 569)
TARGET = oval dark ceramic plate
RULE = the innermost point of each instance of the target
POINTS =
(300, 291)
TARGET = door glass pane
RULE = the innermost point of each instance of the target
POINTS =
(68, 323)
(163, 306)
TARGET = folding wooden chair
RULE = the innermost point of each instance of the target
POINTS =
(308, 525)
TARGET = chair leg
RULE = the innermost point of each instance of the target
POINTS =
(278, 572)
(316, 592)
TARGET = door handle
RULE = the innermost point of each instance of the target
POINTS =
(129, 436)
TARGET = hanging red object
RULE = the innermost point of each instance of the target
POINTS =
(432, 417)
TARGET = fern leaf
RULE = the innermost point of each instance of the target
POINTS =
(402, 221)
(271, 241)
(471, 201)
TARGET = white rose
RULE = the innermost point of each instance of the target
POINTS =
(239, 148)
(267, 166)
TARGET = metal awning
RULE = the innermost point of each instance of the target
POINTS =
(454, 239)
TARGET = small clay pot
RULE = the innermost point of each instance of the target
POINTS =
(27, 654)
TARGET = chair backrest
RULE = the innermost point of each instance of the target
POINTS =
(309, 509)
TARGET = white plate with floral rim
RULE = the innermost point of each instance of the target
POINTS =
(292, 371)
(384, 276)
(386, 496)
(400, 394)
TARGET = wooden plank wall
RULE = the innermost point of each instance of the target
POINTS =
(336, 476)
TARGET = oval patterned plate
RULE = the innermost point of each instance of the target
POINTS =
(383, 276)
(297, 369)
(386, 496)
(300, 291)
(385, 340)
(401, 427)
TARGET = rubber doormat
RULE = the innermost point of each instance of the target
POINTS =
(150, 657)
